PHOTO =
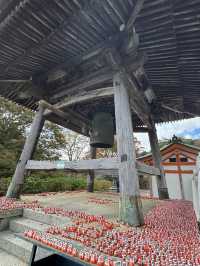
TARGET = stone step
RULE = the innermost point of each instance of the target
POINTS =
(20, 225)
(10, 260)
(45, 218)
(12, 244)
(15, 246)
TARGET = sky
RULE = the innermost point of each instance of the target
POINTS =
(189, 128)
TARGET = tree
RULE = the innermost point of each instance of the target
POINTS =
(15, 124)
(75, 146)
(112, 152)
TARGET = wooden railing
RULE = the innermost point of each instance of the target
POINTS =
(85, 165)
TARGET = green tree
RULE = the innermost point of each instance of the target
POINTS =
(15, 124)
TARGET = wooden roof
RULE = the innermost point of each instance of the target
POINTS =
(60, 41)
(169, 148)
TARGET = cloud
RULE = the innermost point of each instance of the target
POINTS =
(189, 128)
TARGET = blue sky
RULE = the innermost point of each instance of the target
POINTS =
(194, 133)
(189, 128)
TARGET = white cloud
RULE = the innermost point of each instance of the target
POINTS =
(167, 130)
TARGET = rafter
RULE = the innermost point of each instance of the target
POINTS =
(138, 7)
(86, 8)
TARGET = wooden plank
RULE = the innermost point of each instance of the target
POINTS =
(82, 165)
(147, 169)
(130, 203)
(29, 146)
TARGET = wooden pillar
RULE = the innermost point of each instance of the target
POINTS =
(180, 176)
(130, 202)
(29, 147)
(155, 149)
(91, 174)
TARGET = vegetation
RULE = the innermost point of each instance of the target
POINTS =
(36, 184)
(15, 124)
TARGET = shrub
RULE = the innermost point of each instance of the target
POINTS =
(101, 184)
(36, 184)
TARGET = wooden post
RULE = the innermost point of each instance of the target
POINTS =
(155, 149)
(130, 202)
(180, 176)
(91, 174)
(29, 146)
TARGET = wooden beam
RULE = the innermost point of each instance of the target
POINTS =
(96, 78)
(78, 119)
(82, 165)
(176, 110)
(29, 146)
(147, 169)
(85, 97)
(138, 102)
(138, 7)
(130, 202)
(140, 129)
(91, 53)
(99, 77)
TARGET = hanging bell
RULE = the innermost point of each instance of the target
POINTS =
(102, 132)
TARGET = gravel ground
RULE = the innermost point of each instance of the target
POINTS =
(81, 200)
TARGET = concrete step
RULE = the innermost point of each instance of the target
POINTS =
(20, 225)
(10, 260)
(45, 218)
(19, 248)
(15, 246)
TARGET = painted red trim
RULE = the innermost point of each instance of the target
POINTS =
(178, 171)
(178, 163)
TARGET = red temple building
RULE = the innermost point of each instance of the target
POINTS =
(179, 161)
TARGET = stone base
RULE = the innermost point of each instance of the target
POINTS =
(163, 193)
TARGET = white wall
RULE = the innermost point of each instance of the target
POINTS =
(173, 183)
(173, 186)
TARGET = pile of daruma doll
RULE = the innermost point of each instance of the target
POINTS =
(169, 237)
(8, 204)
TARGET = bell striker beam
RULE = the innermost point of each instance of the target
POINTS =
(29, 147)
(155, 149)
(130, 202)
(91, 174)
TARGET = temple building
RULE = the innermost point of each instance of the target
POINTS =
(179, 161)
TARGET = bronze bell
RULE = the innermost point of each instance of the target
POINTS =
(102, 132)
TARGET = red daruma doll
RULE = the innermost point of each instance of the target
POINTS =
(100, 261)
